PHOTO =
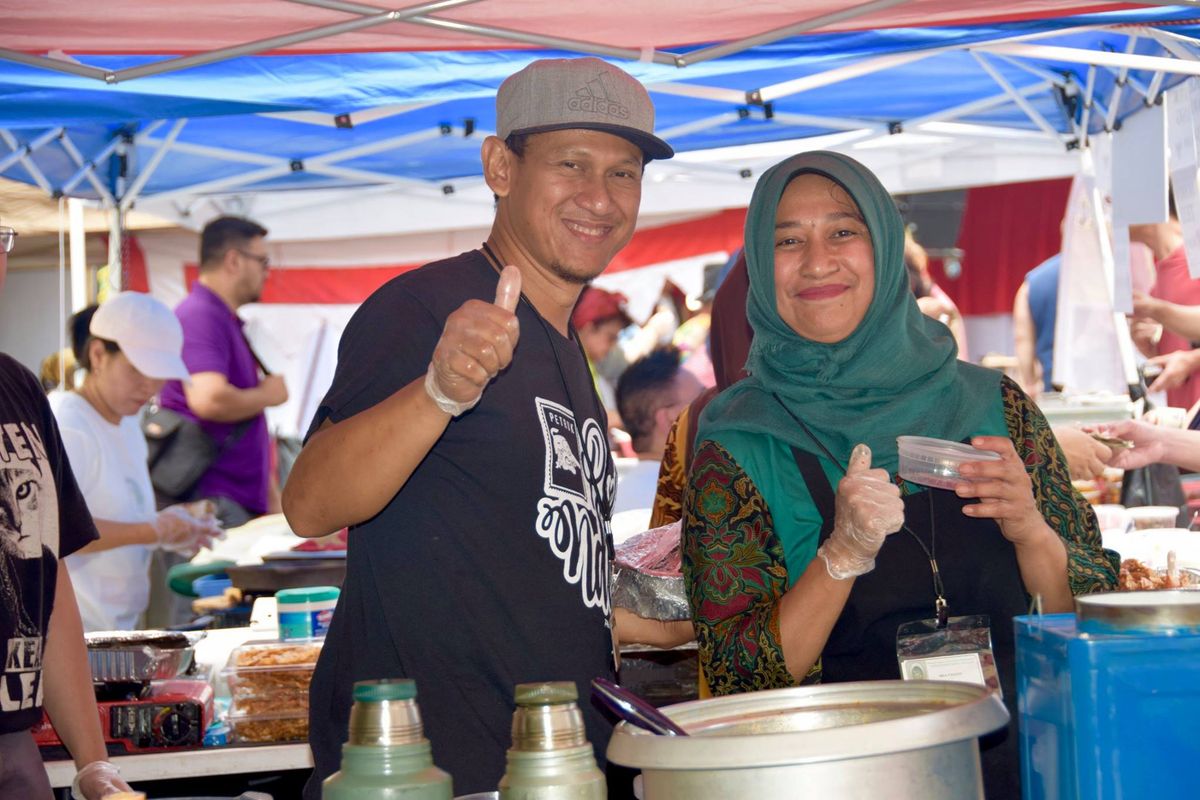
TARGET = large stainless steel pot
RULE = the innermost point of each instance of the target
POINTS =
(883, 739)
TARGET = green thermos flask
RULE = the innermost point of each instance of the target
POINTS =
(550, 758)
(387, 756)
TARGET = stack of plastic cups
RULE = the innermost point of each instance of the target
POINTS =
(387, 756)
(550, 757)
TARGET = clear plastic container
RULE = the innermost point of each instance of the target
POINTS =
(936, 462)
(1112, 517)
(1146, 517)
(271, 676)
(268, 727)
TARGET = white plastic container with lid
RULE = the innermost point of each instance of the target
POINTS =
(1153, 517)
(936, 462)
(305, 613)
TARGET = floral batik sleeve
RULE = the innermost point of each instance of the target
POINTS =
(1090, 568)
(734, 570)
(672, 474)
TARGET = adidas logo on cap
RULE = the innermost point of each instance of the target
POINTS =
(593, 97)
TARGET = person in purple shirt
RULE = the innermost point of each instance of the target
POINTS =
(227, 394)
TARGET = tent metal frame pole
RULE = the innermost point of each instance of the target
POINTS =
(1016, 96)
(490, 31)
(698, 125)
(274, 42)
(1051, 77)
(1089, 90)
(220, 184)
(1114, 101)
(840, 74)
(974, 106)
(868, 66)
(90, 167)
(116, 249)
(768, 37)
(1176, 45)
(21, 151)
(717, 94)
(86, 170)
(833, 123)
(146, 172)
(1093, 57)
(970, 130)
(219, 153)
(374, 178)
(1155, 86)
(552, 42)
(1133, 82)
(374, 147)
(54, 64)
(362, 117)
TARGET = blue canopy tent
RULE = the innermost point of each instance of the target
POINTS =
(412, 121)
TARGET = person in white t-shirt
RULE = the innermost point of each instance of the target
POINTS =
(128, 347)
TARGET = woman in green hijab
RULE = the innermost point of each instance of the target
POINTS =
(804, 554)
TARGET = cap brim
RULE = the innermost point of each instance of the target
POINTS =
(649, 144)
(157, 364)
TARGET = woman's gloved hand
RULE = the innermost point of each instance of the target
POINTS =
(477, 342)
(98, 780)
(868, 508)
(180, 532)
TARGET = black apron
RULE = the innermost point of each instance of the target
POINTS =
(981, 576)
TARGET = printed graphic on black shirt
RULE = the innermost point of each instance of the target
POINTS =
(578, 489)
(28, 533)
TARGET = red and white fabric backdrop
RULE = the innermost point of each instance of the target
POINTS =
(314, 287)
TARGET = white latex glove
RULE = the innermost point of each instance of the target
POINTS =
(868, 508)
(477, 342)
(180, 532)
(97, 780)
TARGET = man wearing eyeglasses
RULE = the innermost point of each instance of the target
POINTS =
(228, 394)
(43, 519)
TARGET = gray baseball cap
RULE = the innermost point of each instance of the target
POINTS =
(560, 93)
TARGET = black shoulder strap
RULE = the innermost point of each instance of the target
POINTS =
(818, 486)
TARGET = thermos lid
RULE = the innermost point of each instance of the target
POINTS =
(549, 693)
(385, 690)
(307, 594)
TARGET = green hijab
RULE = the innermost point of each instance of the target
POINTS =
(896, 374)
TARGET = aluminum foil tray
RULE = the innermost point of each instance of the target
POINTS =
(650, 596)
(139, 655)
(143, 663)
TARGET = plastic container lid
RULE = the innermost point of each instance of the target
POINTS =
(307, 594)
(935, 462)
(385, 690)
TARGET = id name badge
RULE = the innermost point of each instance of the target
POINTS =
(961, 651)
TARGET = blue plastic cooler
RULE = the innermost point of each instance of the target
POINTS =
(1107, 717)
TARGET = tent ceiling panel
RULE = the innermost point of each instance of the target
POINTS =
(125, 26)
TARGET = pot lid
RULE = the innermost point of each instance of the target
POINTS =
(810, 724)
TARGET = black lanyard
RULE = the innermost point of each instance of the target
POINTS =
(940, 607)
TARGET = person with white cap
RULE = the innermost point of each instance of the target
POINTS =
(128, 346)
(463, 441)
(43, 518)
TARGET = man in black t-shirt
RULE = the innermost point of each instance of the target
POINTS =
(43, 518)
(463, 442)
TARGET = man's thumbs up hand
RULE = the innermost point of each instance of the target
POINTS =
(477, 343)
